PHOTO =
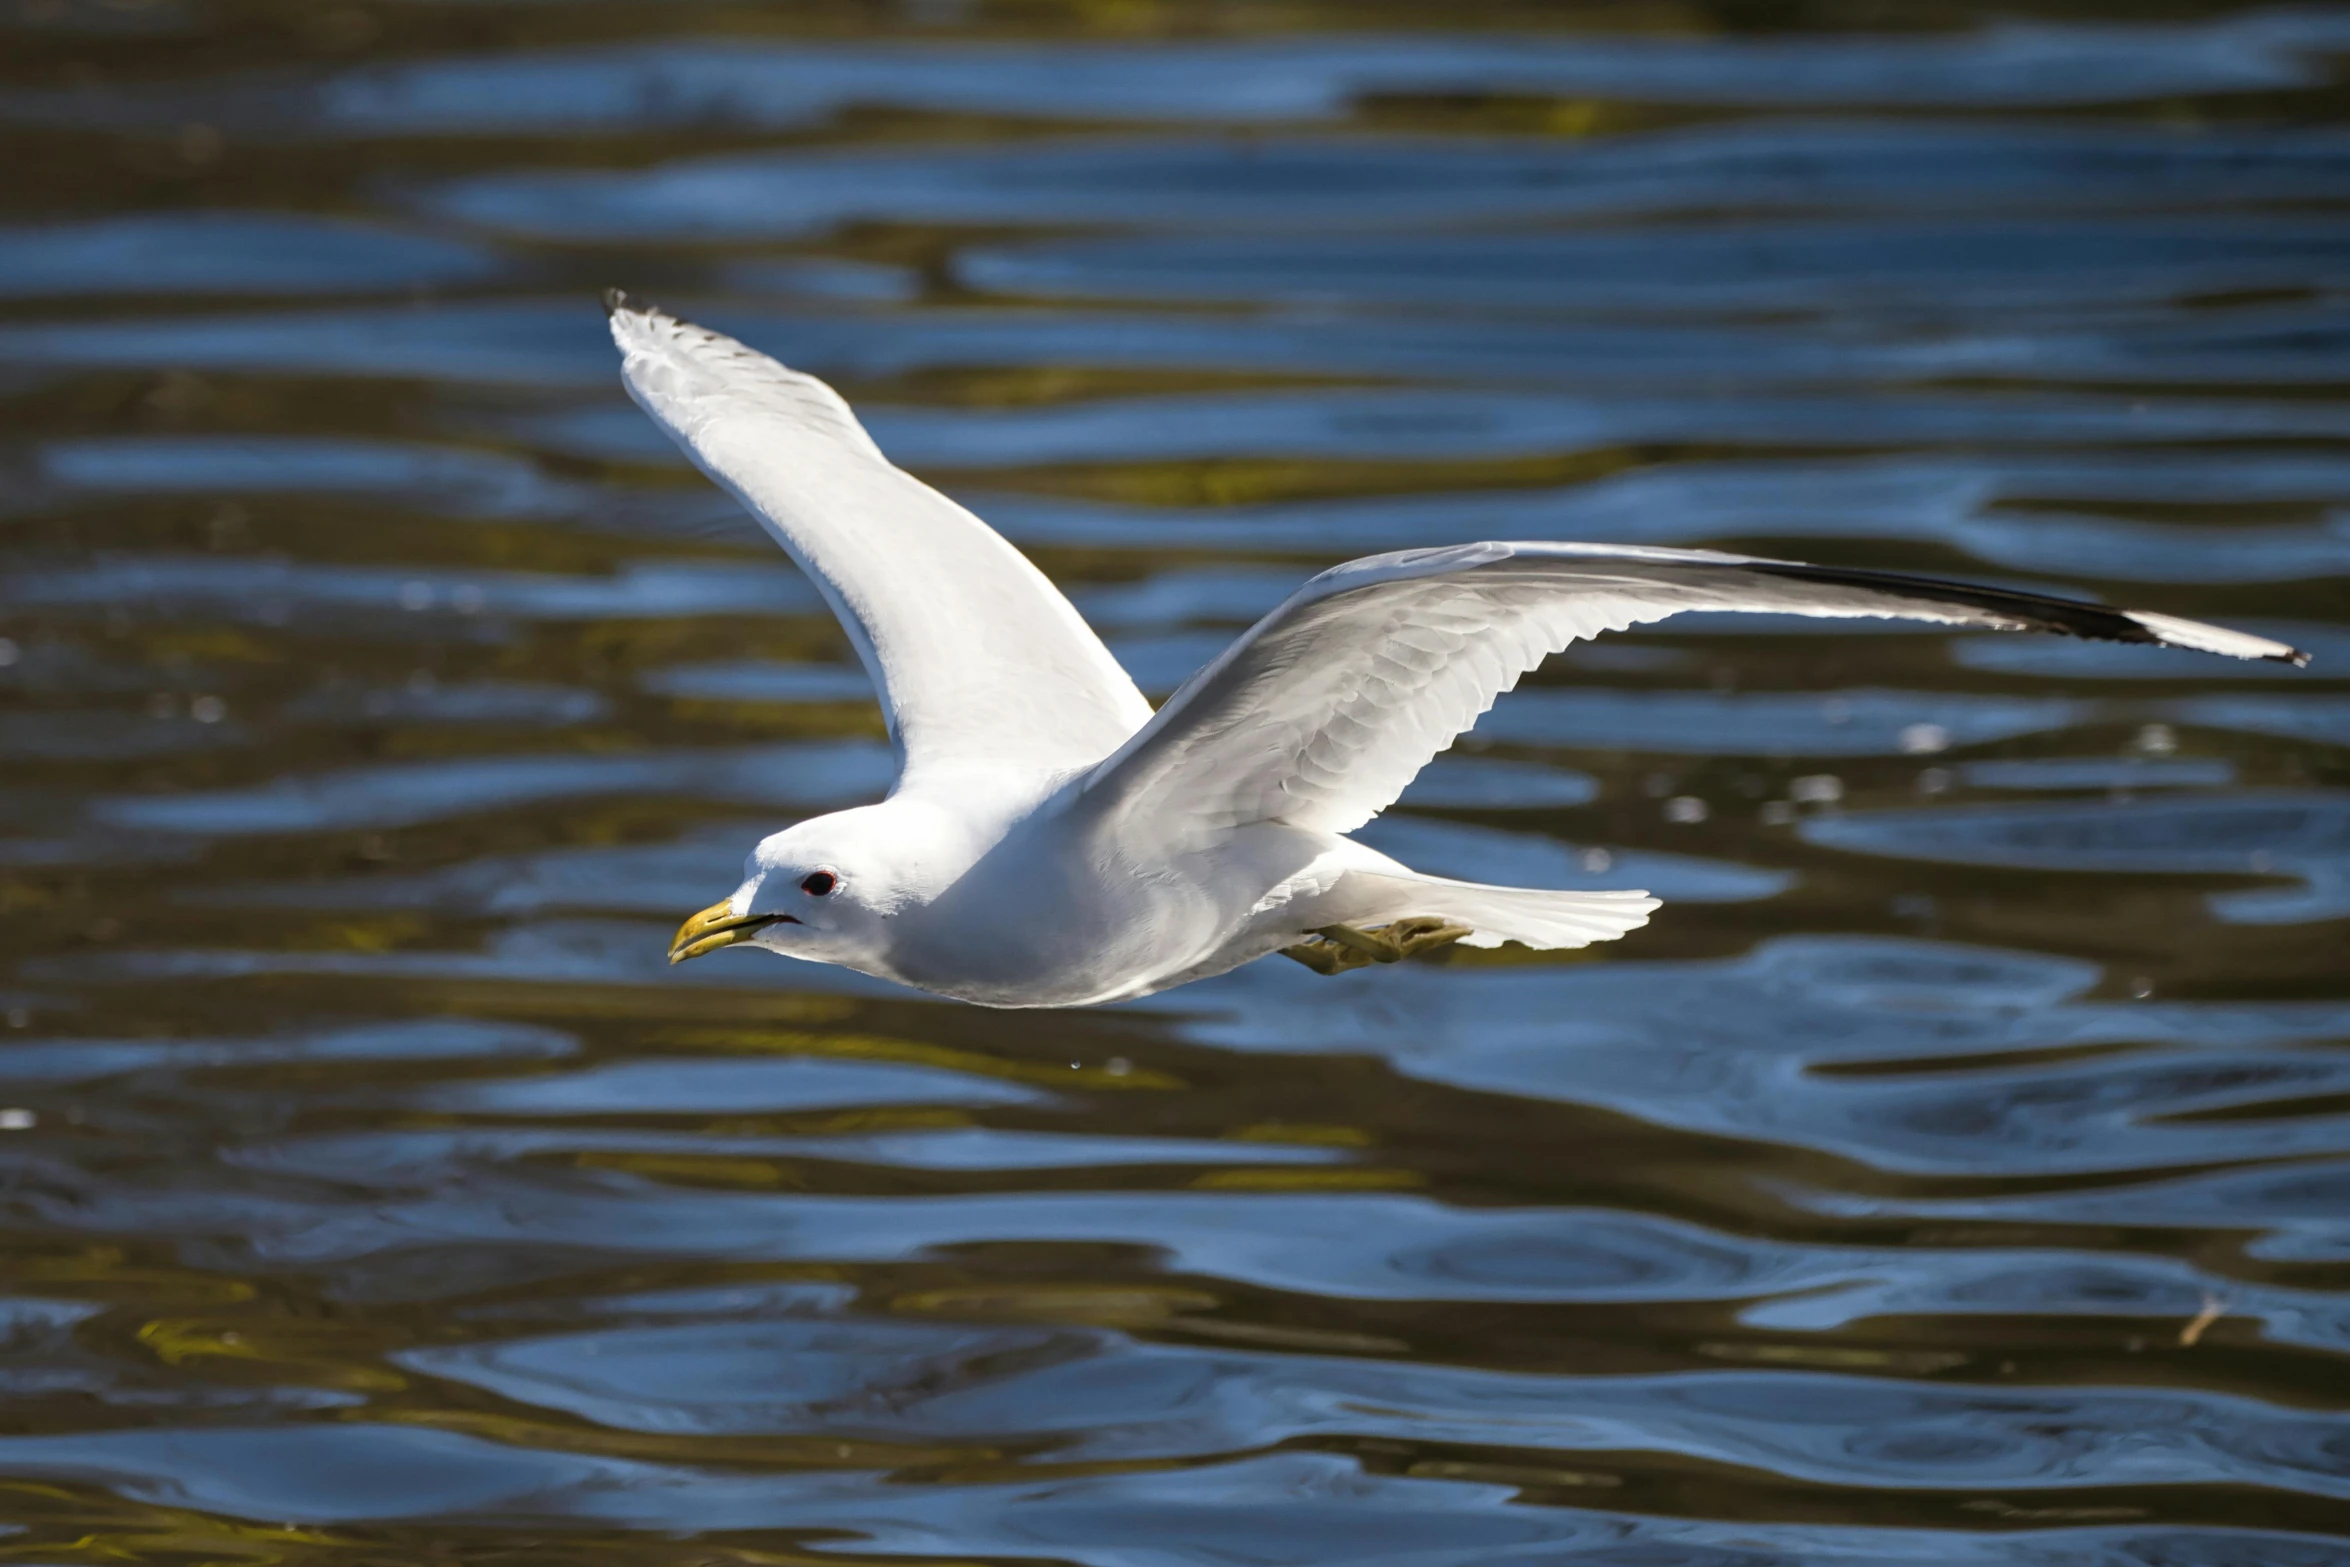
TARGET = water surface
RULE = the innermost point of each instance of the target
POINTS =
(1957, 1171)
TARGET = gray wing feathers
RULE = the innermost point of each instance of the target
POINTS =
(1322, 712)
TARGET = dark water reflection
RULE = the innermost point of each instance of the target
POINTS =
(1957, 1172)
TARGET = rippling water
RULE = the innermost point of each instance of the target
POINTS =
(1957, 1171)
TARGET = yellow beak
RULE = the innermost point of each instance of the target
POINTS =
(717, 926)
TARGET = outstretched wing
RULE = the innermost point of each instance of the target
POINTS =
(1320, 713)
(979, 660)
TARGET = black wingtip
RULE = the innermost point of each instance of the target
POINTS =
(615, 301)
(2026, 611)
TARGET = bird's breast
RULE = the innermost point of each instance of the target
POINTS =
(1055, 929)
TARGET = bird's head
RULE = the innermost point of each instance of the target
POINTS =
(822, 890)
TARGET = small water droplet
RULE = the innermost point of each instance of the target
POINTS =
(1816, 789)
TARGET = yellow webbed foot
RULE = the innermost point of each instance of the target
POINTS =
(1337, 949)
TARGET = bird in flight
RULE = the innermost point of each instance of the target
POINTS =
(1051, 841)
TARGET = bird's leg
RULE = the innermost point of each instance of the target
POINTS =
(1424, 933)
(1339, 948)
(1368, 946)
(1336, 949)
(1325, 957)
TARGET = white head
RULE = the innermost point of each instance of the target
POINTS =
(822, 890)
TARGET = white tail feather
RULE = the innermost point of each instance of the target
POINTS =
(1531, 916)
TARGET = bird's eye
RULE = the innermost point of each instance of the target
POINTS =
(818, 884)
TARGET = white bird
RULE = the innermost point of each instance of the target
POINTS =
(1051, 841)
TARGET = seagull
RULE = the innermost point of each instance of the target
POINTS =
(1051, 841)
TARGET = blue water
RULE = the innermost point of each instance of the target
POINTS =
(1957, 1170)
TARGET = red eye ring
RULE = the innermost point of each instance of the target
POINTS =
(819, 884)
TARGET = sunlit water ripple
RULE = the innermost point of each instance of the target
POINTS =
(1956, 1172)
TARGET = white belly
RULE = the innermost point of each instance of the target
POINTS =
(1038, 923)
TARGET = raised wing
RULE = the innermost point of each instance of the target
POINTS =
(1322, 712)
(979, 660)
